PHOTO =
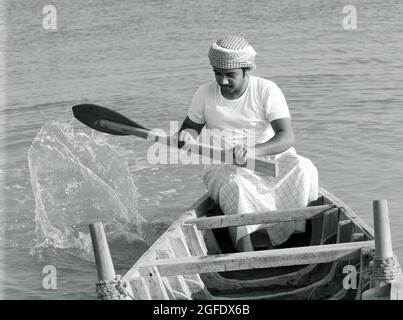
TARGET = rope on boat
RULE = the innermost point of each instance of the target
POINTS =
(113, 289)
(385, 270)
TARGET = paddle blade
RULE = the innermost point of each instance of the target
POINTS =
(91, 114)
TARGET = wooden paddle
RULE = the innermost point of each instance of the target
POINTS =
(109, 121)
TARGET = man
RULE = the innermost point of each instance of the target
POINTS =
(250, 115)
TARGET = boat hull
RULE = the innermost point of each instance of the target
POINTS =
(193, 261)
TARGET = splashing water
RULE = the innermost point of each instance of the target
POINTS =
(78, 179)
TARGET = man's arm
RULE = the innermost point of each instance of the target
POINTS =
(282, 140)
(187, 133)
(192, 127)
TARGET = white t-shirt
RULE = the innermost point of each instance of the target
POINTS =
(245, 120)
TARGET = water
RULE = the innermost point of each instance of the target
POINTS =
(145, 59)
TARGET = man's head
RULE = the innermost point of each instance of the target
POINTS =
(231, 58)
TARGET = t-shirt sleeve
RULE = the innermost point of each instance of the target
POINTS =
(196, 109)
(275, 104)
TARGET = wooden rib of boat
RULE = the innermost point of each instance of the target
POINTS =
(332, 259)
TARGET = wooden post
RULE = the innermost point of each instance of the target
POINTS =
(383, 240)
(383, 248)
(103, 257)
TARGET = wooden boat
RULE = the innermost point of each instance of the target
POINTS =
(334, 258)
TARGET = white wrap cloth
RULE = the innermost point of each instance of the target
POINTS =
(239, 191)
(232, 53)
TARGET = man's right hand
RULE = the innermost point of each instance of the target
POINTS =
(183, 139)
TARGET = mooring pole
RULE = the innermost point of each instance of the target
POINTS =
(383, 240)
(103, 258)
(383, 253)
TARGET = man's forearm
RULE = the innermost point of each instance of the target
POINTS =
(279, 143)
(193, 128)
(193, 132)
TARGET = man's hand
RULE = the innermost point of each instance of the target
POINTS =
(185, 137)
(240, 154)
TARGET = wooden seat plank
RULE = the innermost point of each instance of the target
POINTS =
(224, 221)
(261, 259)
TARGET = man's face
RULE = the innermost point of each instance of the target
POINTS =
(230, 80)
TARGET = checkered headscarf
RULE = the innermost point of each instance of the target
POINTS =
(232, 53)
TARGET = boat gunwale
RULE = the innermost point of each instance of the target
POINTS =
(350, 214)
(150, 253)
